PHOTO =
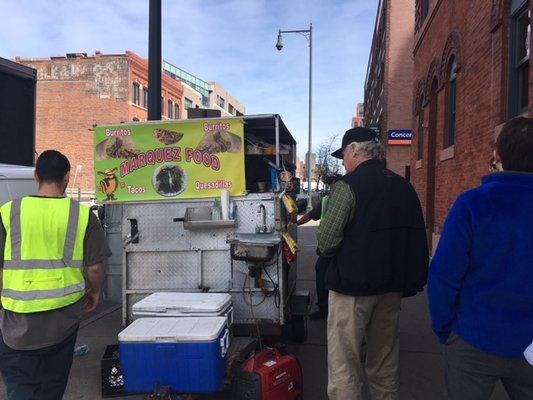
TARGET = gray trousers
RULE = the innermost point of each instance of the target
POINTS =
(472, 374)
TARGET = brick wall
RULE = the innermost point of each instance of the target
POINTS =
(399, 78)
(397, 18)
(72, 96)
(75, 94)
(476, 32)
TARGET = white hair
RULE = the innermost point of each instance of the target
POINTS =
(370, 149)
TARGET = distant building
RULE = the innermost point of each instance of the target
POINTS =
(222, 100)
(213, 96)
(75, 92)
(388, 86)
(300, 169)
(467, 83)
(358, 119)
(191, 98)
(195, 83)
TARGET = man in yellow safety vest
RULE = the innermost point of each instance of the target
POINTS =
(52, 254)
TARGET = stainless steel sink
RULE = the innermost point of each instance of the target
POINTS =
(254, 247)
(270, 238)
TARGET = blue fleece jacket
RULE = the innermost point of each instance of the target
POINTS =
(481, 277)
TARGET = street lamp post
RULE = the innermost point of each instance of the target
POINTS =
(308, 33)
(154, 61)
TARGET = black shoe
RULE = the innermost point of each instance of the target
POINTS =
(318, 314)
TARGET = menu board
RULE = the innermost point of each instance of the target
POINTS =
(169, 160)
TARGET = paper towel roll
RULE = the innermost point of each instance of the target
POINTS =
(224, 203)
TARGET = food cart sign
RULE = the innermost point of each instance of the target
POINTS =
(169, 161)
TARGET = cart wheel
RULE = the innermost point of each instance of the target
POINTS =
(299, 328)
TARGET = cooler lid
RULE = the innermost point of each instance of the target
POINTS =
(173, 330)
(163, 302)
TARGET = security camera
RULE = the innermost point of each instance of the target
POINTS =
(279, 44)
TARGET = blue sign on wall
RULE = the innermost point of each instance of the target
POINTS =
(400, 136)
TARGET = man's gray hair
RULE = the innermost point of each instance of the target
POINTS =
(369, 149)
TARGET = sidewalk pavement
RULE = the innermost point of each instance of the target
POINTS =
(421, 362)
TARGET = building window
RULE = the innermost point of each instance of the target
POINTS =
(451, 105)
(145, 97)
(420, 144)
(221, 102)
(231, 109)
(188, 103)
(519, 58)
(170, 109)
(177, 113)
(424, 9)
(162, 105)
(136, 94)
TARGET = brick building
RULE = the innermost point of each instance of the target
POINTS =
(359, 115)
(389, 79)
(471, 76)
(212, 95)
(76, 92)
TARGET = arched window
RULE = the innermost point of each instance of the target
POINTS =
(170, 108)
(424, 9)
(145, 97)
(136, 94)
(451, 104)
(519, 57)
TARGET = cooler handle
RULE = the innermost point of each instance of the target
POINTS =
(230, 316)
(224, 343)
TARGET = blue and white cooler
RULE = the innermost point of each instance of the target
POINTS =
(177, 304)
(187, 354)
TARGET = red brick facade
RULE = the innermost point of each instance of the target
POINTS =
(76, 93)
(388, 87)
(476, 34)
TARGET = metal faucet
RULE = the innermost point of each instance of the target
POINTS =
(262, 210)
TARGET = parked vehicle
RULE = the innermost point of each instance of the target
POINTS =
(17, 113)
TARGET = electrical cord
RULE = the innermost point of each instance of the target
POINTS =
(275, 291)
(251, 293)
(256, 323)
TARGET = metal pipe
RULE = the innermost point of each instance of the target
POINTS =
(309, 148)
(277, 141)
(154, 61)
(308, 33)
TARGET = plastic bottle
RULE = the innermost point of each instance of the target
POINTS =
(216, 214)
(232, 210)
(81, 350)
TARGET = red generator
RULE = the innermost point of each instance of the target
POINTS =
(269, 375)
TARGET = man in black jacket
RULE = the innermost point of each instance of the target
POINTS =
(374, 233)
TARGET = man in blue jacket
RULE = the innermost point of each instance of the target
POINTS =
(480, 280)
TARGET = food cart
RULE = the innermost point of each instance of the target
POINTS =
(203, 205)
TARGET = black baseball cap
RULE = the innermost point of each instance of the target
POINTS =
(358, 134)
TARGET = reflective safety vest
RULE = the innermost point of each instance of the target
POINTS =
(43, 254)
(324, 206)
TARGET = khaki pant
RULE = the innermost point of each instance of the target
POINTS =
(350, 320)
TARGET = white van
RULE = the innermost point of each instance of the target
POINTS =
(16, 181)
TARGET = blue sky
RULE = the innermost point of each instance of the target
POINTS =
(227, 41)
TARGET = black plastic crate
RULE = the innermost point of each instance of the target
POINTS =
(111, 371)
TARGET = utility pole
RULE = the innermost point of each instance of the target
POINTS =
(154, 61)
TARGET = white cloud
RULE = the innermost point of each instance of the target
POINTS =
(228, 41)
